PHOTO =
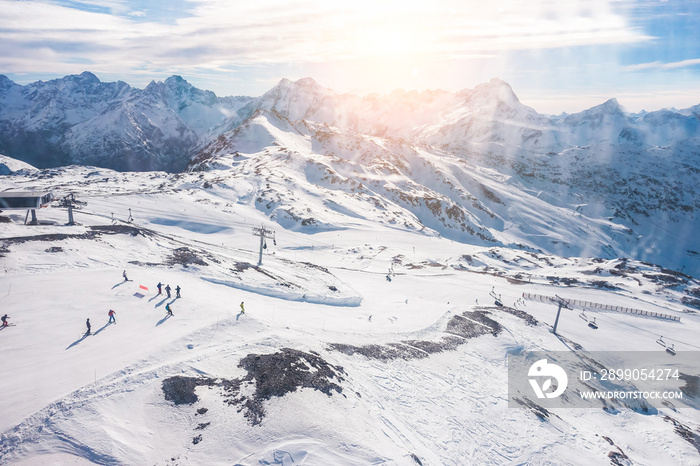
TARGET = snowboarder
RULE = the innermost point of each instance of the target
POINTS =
(242, 308)
(124, 275)
(167, 290)
(5, 323)
(87, 322)
(167, 308)
(160, 291)
(111, 317)
(177, 291)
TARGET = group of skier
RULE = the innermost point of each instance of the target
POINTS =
(112, 313)
(167, 290)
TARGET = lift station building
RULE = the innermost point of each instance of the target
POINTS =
(25, 200)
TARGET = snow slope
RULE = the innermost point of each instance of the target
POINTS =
(410, 370)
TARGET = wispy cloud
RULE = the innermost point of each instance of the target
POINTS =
(213, 33)
(657, 65)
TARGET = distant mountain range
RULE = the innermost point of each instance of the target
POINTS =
(80, 120)
(476, 166)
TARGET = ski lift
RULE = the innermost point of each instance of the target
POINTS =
(265, 245)
(671, 350)
(583, 315)
(661, 341)
(593, 325)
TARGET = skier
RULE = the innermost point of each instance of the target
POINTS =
(167, 308)
(177, 291)
(124, 275)
(5, 323)
(111, 317)
(167, 290)
(242, 308)
(87, 322)
(160, 291)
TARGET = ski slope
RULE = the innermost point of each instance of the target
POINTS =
(69, 399)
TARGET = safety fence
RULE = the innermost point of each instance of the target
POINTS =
(590, 305)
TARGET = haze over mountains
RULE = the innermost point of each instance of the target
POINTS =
(476, 166)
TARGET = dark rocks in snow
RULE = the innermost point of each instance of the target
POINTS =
(94, 232)
(180, 390)
(473, 324)
(541, 413)
(690, 302)
(603, 285)
(273, 375)
(529, 319)
(685, 432)
(185, 257)
(387, 352)
(459, 329)
(283, 372)
(618, 458)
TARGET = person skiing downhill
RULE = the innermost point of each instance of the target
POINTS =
(111, 317)
(87, 322)
(242, 308)
(5, 323)
(124, 275)
(160, 291)
(170, 311)
(167, 290)
(177, 291)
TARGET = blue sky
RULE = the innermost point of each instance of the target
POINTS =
(557, 55)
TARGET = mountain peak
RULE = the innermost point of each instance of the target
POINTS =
(501, 89)
(5, 82)
(303, 83)
(610, 106)
(496, 88)
(307, 82)
(87, 77)
(177, 80)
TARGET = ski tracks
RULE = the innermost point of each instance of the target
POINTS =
(42, 431)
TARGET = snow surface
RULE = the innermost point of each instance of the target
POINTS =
(69, 399)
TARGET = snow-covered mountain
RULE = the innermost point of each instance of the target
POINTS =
(600, 200)
(476, 166)
(80, 120)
